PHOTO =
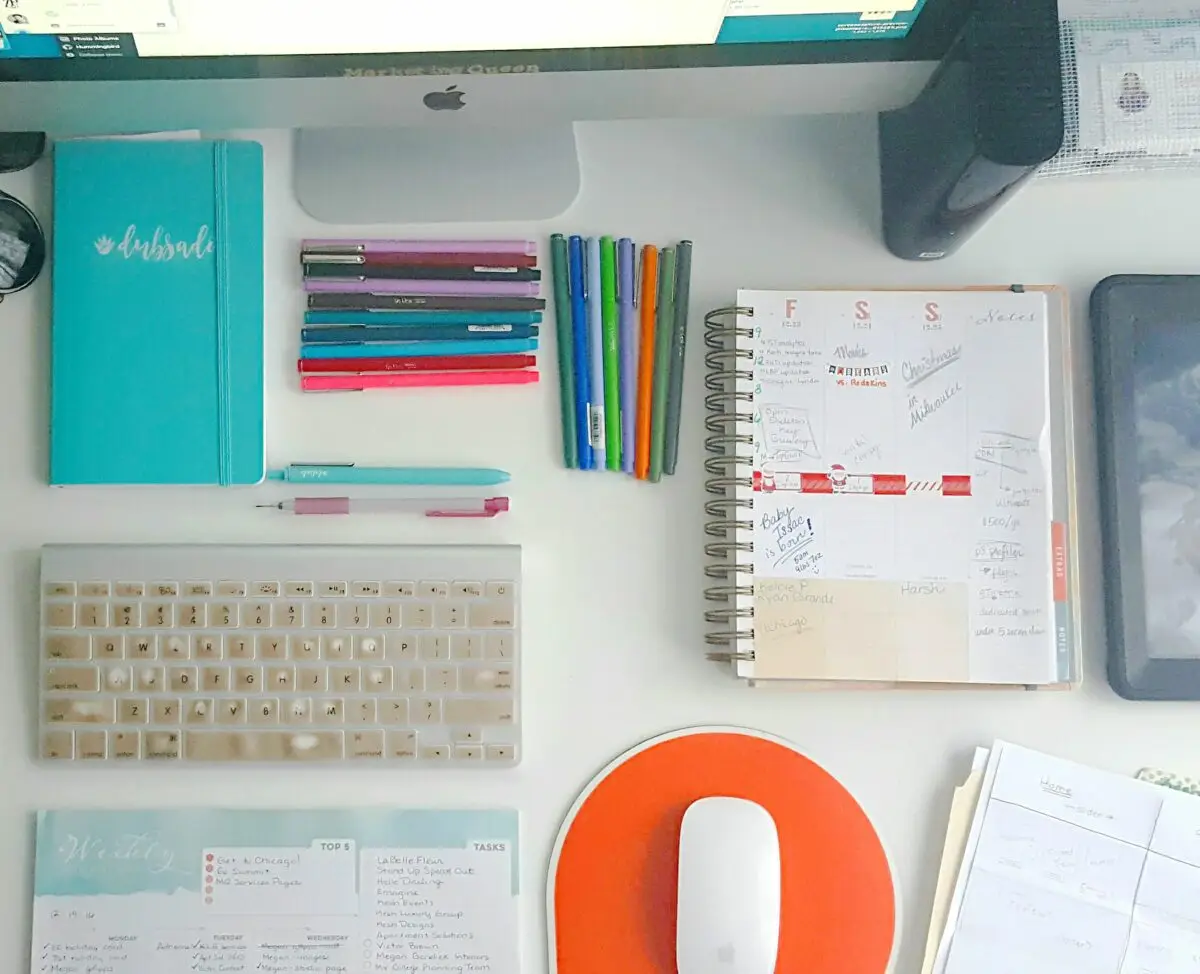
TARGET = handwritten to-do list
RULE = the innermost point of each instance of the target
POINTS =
(267, 892)
(1068, 868)
(903, 521)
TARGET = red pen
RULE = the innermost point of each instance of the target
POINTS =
(416, 380)
(429, 363)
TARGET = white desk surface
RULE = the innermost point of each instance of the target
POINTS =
(613, 610)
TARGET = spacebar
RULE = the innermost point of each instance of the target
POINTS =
(254, 745)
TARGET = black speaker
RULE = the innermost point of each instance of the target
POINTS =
(989, 116)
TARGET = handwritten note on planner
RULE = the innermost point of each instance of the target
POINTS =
(275, 892)
(902, 508)
(1072, 869)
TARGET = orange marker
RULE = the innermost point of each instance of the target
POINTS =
(648, 299)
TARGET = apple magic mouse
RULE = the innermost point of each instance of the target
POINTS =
(727, 920)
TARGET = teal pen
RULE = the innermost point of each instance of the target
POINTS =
(350, 473)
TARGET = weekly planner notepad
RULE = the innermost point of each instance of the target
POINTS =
(194, 891)
(893, 489)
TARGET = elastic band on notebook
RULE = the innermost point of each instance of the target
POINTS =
(224, 364)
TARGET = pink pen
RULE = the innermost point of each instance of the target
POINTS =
(416, 380)
(425, 506)
(523, 247)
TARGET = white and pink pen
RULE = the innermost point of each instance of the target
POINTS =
(426, 507)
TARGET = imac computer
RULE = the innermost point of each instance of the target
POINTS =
(450, 110)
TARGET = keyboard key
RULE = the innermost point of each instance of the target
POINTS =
(466, 590)
(100, 711)
(223, 615)
(183, 679)
(306, 649)
(172, 647)
(478, 710)
(434, 645)
(466, 645)
(354, 615)
(91, 745)
(272, 647)
(118, 678)
(399, 590)
(323, 615)
(85, 679)
(233, 590)
(343, 679)
(165, 590)
(365, 744)
(441, 679)
(247, 679)
(281, 679)
(495, 614)
(467, 752)
(163, 745)
(498, 590)
(393, 710)
(53, 589)
(206, 647)
(500, 752)
(94, 590)
(126, 615)
(385, 615)
(216, 679)
(313, 746)
(298, 589)
(377, 679)
(92, 615)
(297, 710)
(486, 679)
(499, 645)
(361, 712)
(434, 752)
(68, 647)
(449, 615)
(129, 590)
(239, 647)
(165, 710)
(401, 744)
(264, 710)
(335, 647)
(141, 647)
(199, 711)
(257, 615)
(332, 590)
(197, 590)
(126, 745)
(368, 647)
(311, 679)
(400, 647)
(418, 615)
(231, 711)
(365, 590)
(265, 589)
(288, 615)
(133, 710)
(160, 615)
(426, 710)
(433, 590)
(58, 745)
(330, 710)
(467, 735)
(60, 615)
(193, 615)
(150, 678)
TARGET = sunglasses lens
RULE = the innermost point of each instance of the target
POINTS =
(22, 246)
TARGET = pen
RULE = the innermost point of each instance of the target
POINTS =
(358, 334)
(625, 316)
(593, 296)
(427, 507)
(428, 363)
(647, 307)
(417, 380)
(471, 261)
(583, 418)
(662, 361)
(482, 346)
(393, 285)
(351, 473)
(366, 316)
(566, 339)
(525, 247)
(612, 360)
(683, 276)
(429, 272)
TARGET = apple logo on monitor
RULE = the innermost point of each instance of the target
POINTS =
(450, 100)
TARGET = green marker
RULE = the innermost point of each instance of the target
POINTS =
(566, 339)
(664, 339)
(612, 358)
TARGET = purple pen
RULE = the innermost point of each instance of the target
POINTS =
(379, 285)
(625, 320)
(525, 247)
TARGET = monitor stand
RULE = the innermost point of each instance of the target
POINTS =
(429, 174)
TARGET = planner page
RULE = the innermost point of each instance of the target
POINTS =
(901, 487)
(1068, 868)
(275, 892)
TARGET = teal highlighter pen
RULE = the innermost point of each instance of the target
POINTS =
(612, 357)
(350, 473)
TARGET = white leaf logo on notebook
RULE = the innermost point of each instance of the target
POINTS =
(159, 247)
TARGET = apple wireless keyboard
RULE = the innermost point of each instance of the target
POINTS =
(404, 656)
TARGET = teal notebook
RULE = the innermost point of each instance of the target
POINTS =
(157, 344)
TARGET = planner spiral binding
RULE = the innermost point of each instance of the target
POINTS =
(729, 427)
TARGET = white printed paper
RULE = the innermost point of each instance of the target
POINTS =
(1072, 869)
(902, 517)
(280, 892)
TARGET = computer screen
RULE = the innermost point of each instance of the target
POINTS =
(89, 30)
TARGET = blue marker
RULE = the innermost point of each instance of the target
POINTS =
(595, 330)
(583, 422)
(350, 473)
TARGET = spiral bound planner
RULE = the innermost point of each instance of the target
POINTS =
(892, 488)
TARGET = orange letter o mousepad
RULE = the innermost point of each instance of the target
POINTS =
(613, 873)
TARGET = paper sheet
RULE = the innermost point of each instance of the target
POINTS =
(284, 892)
(1067, 868)
(902, 502)
(87, 16)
